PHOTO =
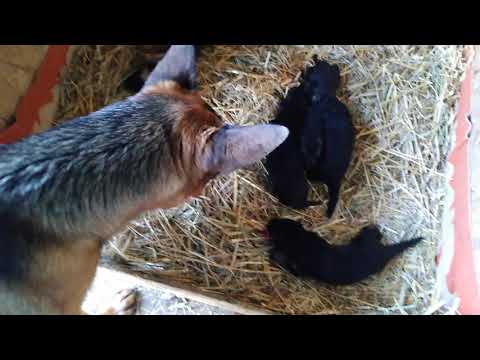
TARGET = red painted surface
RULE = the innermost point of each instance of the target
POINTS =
(462, 279)
(38, 95)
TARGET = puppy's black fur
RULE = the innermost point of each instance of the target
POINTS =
(135, 82)
(320, 80)
(305, 254)
(292, 111)
(328, 136)
(286, 177)
(286, 171)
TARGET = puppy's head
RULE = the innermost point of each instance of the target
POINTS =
(280, 230)
(201, 145)
(321, 79)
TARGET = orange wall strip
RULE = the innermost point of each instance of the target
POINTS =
(461, 279)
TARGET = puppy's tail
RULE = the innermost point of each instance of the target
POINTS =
(392, 251)
(333, 194)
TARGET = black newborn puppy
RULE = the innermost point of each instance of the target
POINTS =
(286, 170)
(328, 136)
(292, 112)
(305, 254)
(134, 82)
(286, 177)
(321, 79)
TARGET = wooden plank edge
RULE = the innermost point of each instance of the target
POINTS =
(181, 292)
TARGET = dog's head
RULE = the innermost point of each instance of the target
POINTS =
(202, 146)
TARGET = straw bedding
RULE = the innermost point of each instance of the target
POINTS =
(403, 101)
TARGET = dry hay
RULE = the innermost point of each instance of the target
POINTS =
(403, 101)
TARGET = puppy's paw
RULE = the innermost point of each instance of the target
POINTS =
(124, 303)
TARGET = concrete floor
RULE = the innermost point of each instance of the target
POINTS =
(17, 68)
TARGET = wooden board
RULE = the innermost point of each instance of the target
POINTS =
(110, 275)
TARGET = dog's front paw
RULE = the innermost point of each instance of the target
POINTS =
(124, 303)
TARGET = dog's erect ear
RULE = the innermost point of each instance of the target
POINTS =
(179, 65)
(235, 147)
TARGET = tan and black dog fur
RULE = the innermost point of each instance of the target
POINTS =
(65, 191)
